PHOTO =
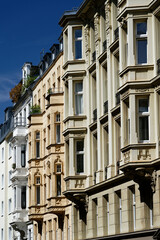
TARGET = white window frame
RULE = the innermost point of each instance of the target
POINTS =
(76, 40)
(2, 186)
(143, 114)
(79, 153)
(78, 93)
(140, 37)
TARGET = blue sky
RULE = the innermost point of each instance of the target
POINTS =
(26, 27)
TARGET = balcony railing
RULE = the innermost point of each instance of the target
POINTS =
(95, 114)
(117, 98)
(21, 121)
(94, 56)
(104, 45)
(105, 106)
(116, 33)
(158, 66)
(55, 90)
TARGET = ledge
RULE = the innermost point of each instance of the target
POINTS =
(75, 130)
(138, 145)
(72, 62)
(136, 67)
(75, 118)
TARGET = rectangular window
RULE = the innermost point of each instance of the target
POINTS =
(10, 150)
(132, 207)
(37, 144)
(2, 154)
(23, 155)
(2, 208)
(95, 215)
(141, 42)
(119, 211)
(38, 181)
(78, 98)
(78, 43)
(58, 128)
(2, 234)
(10, 233)
(10, 205)
(106, 207)
(23, 197)
(15, 196)
(9, 177)
(29, 234)
(58, 185)
(143, 112)
(2, 181)
(80, 156)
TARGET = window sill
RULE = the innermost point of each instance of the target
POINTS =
(74, 61)
(75, 117)
(135, 67)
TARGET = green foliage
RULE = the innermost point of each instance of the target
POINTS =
(35, 109)
(28, 82)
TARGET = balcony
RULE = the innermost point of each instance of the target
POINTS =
(105, 107)
(56, 205)
(116, 34)
(95, 114)
(158, 66)
(18, 172)
(20, 122)
(20, 215)
(35, 109)
(55, 90)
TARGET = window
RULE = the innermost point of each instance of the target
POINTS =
(106, 207)
(78, 98)
(58, 168)
(23, 197)
(2, 208)
(37, 183)
(2, 154)
(10, 205)
(9, 177)
(58, 185)
(1, 233)
(119, 211)
(2, 181)
(95, 215)
(15, 196)
(58, 128)
(141, 42)
(143, 112)
(29, 234)
(78, 43)
(80, 156)
(23, 155)
(10, 150)
(37, 144)
(10, 233)
(132, 208)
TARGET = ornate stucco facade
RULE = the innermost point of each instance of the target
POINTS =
(111, 118)
(48, 207)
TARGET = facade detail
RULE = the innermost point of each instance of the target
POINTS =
(111, 118)
(48, 208)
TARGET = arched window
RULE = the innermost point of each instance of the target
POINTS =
(58, 173)
(37, 188)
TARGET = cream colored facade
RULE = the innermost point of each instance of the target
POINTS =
(48, 207)
(112, 118)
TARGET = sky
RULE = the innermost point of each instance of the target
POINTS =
(26, 28)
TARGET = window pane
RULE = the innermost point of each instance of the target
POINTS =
(78, 33)
(37, 149)
(78, 87)
(23, 155)
(58, 185)
(142, 51)
(78, 49)
(143, 128)
(38, 194)
(23, 197)
(80, 146)
(58, 133)
(141, 28)
(80, 167)
(143, 105)
(58, 168)
(78, 104)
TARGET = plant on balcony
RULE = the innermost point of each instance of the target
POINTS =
(35, 109)
(49, 91)
(15, 93)
(14, 165)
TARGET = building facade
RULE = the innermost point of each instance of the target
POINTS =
(111, 118)
(48, 208)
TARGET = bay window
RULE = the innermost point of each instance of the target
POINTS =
(141, 42)
(78, 43)
(78, 98)
(143, 121)
(80, 156)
